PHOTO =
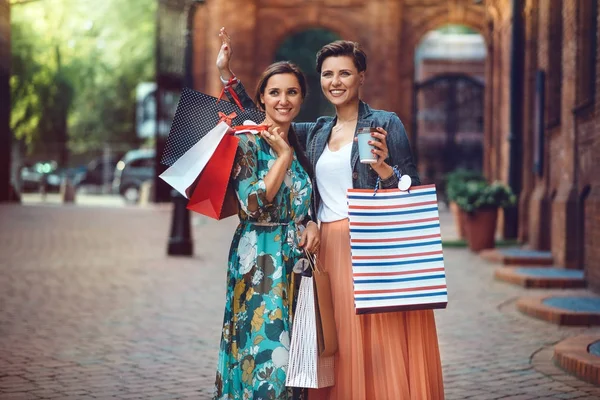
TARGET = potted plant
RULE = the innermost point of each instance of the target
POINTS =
(455, 183)
(481, 201)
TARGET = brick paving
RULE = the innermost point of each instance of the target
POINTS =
(92, 308)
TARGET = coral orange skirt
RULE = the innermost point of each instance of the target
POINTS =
(390, 356)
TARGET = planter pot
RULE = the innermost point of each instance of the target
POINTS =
(458, 220)
(462, 215)
(481, 229)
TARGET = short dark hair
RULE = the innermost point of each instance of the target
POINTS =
(281, 67)
(343, 48)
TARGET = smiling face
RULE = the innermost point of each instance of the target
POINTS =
(340, 80)
(282, 98)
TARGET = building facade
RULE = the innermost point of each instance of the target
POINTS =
(541, 79)
(389, 31)
(559, 205)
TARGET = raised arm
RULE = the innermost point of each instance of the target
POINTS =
(224, 66)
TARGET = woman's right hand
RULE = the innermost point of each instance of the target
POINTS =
(274, 139)
(224, 56)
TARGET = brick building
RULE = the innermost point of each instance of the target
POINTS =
(559, 205)
(389, 30)
(542, 145)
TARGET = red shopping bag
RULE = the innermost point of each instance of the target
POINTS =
(212, 195)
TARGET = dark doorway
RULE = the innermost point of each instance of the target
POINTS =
(301, 49)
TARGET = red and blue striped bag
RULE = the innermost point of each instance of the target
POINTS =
(397, 259)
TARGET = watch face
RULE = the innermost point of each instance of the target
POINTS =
(301, 266)
(404, 183)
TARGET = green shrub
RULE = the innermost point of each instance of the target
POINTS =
(455, 181)
(474, 195)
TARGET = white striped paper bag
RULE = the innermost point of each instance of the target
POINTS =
(397, 259)
(306, 368)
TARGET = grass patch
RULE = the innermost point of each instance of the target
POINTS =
(454, 243)
(460, 243)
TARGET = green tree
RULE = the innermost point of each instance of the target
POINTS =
(75, 68)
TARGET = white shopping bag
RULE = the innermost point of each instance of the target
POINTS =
(306, 368)
(184, 172)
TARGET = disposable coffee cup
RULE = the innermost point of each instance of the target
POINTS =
(364, 148)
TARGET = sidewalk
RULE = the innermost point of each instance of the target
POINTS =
(92, 308)
(81, 199)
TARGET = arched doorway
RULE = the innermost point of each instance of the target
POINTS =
(449, 102)
(301, 49)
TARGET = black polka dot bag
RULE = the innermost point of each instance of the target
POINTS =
(197, 114)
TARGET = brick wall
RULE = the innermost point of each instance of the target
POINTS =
(496, 147)
(390, 42)
(562, 173)
(529, 80)
(560, 210)
(589, 146)
(432, 67)
(540, 218)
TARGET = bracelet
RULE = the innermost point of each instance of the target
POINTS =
(395, 172)
(229, 82)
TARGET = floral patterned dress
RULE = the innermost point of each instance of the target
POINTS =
(253, 355)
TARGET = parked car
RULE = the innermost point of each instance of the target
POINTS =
(97, 172)
(33, 175)
(136, 167)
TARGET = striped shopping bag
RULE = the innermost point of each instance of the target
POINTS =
(306, 368)
(397, 259)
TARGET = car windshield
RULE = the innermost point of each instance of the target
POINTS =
(142, 153)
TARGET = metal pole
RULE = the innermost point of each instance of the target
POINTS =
(511, 220)
(180, 241)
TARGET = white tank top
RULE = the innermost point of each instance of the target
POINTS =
(334, 178)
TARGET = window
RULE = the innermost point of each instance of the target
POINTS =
(554, 72)
(586, 52)
(142, 163)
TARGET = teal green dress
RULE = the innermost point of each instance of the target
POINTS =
(253, 356)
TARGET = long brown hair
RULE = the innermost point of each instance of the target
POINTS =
(286, 67)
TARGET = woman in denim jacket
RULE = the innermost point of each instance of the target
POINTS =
(401, 346)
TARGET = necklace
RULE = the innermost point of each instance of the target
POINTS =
(340, 126)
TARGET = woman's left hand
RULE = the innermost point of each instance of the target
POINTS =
(310, 239)
(224, 56)
(381, 149)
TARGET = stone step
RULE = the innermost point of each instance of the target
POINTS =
(562, 309)
(541, 277)
(518, 256)
(580, 356)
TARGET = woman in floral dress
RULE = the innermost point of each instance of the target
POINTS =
(274, 191)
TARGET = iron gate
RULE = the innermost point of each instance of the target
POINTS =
(448, 125)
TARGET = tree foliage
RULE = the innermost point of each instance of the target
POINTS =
(75, 66)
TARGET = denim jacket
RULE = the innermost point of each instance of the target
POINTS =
(315, 135)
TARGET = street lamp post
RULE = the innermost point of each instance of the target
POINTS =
(174, 52)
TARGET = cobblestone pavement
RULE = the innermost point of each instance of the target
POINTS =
(92, 308)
